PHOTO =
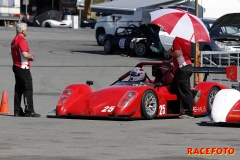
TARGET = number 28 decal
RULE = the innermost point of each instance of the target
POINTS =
(122, 43)
(108, 109)
(162, 109)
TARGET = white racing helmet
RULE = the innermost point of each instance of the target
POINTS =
(137, 74)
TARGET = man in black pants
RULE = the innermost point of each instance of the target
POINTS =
(181, 52)
(21, 67)
(181, 85)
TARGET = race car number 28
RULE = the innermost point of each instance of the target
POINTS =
(162, 109)
(108, 109)
(122, 43)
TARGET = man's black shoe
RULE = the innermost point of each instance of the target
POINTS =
(33, 114)
(18, 114)
(185, 116)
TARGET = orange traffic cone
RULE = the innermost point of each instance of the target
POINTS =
(4, 108)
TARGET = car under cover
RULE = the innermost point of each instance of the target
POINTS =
(232, 20)
(228, 19)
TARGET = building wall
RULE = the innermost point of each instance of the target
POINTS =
(216, 9)
(29, 7)
(70, 6)
(47, 3)
(59, 5)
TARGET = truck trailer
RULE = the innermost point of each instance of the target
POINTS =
(9, 12)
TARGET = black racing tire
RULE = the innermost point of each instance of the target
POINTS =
(141, 49)
(211, 96)
(108, 46)
(99, 37)
(47, 25)
(149, 105)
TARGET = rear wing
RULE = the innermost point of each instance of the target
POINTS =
(230, 71)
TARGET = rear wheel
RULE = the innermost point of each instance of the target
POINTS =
(108, 46)
(100, 34)
(141, 49)
(149, 105)
(47, 24)
(211, 97)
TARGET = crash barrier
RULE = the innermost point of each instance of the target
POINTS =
(220, 59)
(73, 19)
(75, 23)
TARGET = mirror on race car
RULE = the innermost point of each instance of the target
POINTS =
(89, 82)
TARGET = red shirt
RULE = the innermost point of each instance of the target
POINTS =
(184, 46)
(19, 45)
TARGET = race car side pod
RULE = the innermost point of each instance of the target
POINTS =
(230, 71)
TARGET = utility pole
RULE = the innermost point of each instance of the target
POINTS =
(26, 3)
(52, 3)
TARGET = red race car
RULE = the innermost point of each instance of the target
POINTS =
(134, 99)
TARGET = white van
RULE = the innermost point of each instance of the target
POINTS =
(107, 24)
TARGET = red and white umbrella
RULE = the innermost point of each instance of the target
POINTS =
(181, 23)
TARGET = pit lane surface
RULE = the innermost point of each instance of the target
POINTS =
(65, 56)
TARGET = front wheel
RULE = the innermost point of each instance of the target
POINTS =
(141, 49)
(47, 25)
(211, 97)
(108, 47)
(149, 105)
(100, 34)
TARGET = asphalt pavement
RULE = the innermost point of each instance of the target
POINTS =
(65, 56)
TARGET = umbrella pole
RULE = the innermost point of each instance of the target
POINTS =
(196, 54)
(197, 63)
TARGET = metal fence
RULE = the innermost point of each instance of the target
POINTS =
(220, 59)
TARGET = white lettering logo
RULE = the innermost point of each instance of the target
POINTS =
(199, 109)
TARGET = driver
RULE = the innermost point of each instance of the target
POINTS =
(137, 74)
